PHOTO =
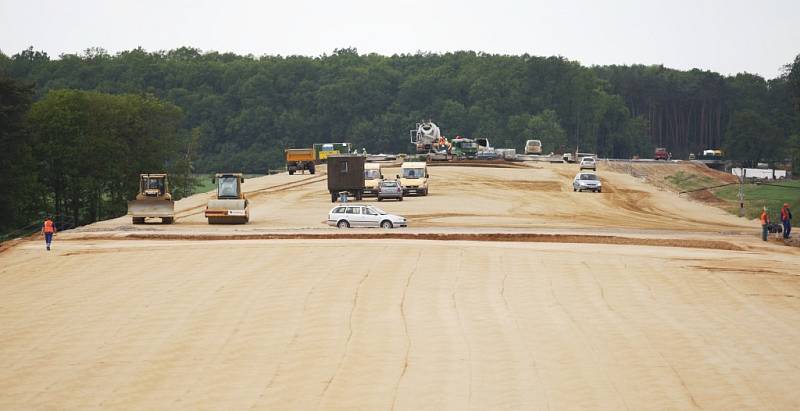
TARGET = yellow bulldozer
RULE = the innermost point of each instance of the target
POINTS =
(153, 201)
(230, 205)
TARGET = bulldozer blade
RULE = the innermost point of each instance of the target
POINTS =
(151, 208)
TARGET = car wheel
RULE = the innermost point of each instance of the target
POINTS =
(400, 198)
(343, 224)
(574, 189)
(599, 190)
(380, 198)
(386, 224)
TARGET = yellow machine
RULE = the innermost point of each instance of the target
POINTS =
(153, 200)
(230, 205)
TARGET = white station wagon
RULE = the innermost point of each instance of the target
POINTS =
(357, 215)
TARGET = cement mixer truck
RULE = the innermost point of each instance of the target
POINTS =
(428, 139)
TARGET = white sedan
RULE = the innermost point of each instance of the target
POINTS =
(587, 181)
(588, 163)
(356, 215)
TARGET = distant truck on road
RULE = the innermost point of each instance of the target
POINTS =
(300, 159)
(346, 173)
(323, 150)
(662, 154)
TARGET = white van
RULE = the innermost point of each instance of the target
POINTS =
(414, 177)
(372, 178)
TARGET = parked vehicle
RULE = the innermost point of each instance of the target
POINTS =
(346, 174)
(323, 150)
(568, 158)
(300, 159)
(483, 144)
(487, 155)
(414, 177)
(372, 178)
(464, 147)
(533, 147)
(357, 215)
(587, 181)
(588, 163)
(662, 154)
(390, 189)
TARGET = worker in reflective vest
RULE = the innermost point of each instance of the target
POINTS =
(786, 219)
(764, 224)
(48, 229)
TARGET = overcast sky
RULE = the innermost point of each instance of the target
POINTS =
(724, 36)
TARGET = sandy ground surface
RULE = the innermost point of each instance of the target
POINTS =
(405, 323)
(538, 196)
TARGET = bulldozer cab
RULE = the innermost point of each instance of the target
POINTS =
(229, 186)
(153, 185)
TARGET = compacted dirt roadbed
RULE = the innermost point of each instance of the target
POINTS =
(381, 324)
(634, 298)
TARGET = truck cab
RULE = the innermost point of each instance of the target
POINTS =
(414, 178)
(372, 178)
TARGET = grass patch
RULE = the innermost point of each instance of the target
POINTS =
(686, 181)
(757, 196)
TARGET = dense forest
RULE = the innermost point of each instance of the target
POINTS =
(77, 128)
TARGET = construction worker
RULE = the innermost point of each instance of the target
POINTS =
(764, 224)
(48, 229)
(786, 219)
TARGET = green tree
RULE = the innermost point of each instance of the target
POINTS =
(20, 200)
(751, 138)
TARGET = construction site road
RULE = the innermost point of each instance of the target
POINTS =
(634, 298)
(536, 196)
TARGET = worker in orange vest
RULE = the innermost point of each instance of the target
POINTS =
(764, 224)
(48, 229)
(786, 219)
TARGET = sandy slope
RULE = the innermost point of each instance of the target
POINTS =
(410, 324)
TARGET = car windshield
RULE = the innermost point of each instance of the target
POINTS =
(413, 173)
(389, 184)
(534, 143)
(588, 160)
(227, 187)
(588, 177)
(372, 174)
(378, 210)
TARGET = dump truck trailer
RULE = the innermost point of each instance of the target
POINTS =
(346, 173)
(229, 205)
(153, 200)
(300, 159)
(323, 150)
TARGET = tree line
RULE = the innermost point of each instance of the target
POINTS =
(210, 111)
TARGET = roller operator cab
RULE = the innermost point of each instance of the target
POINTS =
(414, 178)
(230, 205)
